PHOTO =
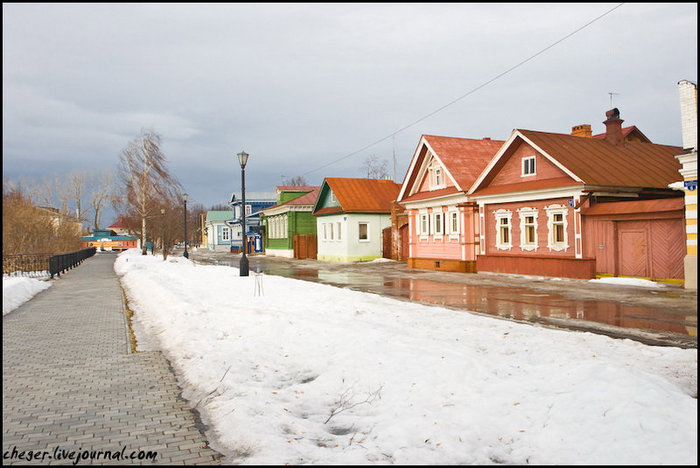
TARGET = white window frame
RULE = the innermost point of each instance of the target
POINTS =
(359, 231)
(438, 223)
(532, 160)
(324, 228)
(248, 210)
(524, 213)
(499, 215)
(424, 224)
(551, 211)
(453, 223)
(225, 234)
(339, 228)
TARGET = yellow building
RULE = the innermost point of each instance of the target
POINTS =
(689, 160)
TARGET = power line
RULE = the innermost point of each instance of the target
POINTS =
(468, 93)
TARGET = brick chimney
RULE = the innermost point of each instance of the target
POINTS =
(613, 127)
(583, 130)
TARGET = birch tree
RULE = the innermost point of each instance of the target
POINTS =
(146, 179)
(100, 192)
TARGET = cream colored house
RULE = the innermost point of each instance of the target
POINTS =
(350, 216)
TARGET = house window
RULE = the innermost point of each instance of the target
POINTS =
(438, 177)
(424, 224)
(225, 234)
(453, 222)
(331, 228)
(529, 166)
(558, 228)
(438, 224)
(557, 223)
(363, 229)
(503, 229)
(528, 228)
(337, 225)
(248, 210)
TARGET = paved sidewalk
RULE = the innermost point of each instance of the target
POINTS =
(70, 382)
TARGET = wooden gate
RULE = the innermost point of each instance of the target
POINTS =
(633, 252)
(403, 237)
(305, 246)
(386, 242)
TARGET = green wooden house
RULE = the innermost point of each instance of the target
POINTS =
(289, 217)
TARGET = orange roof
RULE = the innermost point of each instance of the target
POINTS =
(463, 158)
(599, 162)
(118, 224)
(432, 194)
(362, 195)
(637, 206)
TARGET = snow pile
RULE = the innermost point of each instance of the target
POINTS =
(628, 282)
(18, 290)
(286, 371)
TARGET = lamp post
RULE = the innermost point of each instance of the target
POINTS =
(243, 267)
(184, 197)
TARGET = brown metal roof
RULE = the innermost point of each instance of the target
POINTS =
(598, 162)
(637, 206)
(464, 158)
(363, 195)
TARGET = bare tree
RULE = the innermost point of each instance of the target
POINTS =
(146, 179)
(375, 168)
(100, 187)
(297, 181)
(76, 184)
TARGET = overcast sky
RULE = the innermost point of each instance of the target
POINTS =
(299, 86)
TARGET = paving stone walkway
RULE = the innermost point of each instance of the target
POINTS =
(71, 383)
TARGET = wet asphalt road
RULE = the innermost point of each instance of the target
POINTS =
(664, 316)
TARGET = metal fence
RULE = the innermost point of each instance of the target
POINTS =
(43, 264)
(26, 265)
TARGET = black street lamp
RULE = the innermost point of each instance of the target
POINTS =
(243, 267)
(184, 197)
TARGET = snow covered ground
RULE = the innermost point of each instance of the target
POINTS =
(16, 290)
(286, 371)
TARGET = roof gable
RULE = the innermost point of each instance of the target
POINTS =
(462, 158)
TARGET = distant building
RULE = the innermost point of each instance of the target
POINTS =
(255, 202)
(108, 240)
(119, 228)
(291, 216)
(218, 231)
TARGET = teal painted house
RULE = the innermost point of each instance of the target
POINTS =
(218, 232)
(291, 215)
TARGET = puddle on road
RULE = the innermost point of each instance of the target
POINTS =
(514, 303)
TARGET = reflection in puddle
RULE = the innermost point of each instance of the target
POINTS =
(513, 303)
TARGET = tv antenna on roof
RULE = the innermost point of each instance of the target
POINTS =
(611, 95)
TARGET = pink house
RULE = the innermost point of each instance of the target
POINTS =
(545, 206)
(442, 219)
